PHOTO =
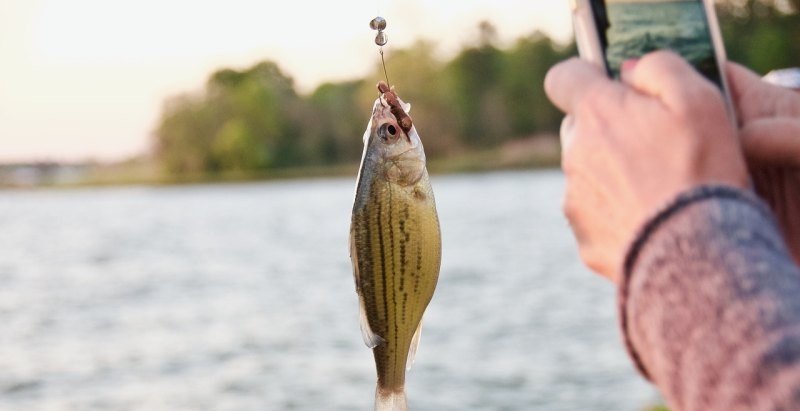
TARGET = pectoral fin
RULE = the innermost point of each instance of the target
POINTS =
(371, 339)
(354, 260)
(412, 350)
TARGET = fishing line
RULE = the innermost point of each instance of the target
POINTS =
(384, 68)
(379, 24)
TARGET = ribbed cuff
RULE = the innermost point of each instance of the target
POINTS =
(680, 203)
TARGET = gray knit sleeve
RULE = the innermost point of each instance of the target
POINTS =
(710, 305)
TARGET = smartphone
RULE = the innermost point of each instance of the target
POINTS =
(609, 32)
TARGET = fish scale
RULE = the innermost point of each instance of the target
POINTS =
(395, 248)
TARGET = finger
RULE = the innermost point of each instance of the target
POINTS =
(775, 142)
(566, 82)
(668, 77)
(741, 81)
(755, 98)
(593, 249)
(567, 132)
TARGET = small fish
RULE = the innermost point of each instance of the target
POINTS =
(395, 244)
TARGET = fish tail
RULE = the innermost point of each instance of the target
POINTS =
(390, 400)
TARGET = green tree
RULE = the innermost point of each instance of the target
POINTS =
(336, 122)
(246, 120)
(523, 84)
(183, 143)
(763, 35)
(253, 120)
(265, 100)
(476, 97)
(236, 148)
(420, 81)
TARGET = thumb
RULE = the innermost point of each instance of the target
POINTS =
(668, 77)
(773, 141)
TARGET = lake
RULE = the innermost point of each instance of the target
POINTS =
(241, 297)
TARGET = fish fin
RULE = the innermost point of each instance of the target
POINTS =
(412, 349)
(354, 259)
(390, 400)
(371, 339)
(407, 107)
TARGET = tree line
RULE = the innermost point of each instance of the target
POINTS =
(255, 121)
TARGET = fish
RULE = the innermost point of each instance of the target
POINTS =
(395, 244)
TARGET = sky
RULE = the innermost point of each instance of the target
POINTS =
(86, 79)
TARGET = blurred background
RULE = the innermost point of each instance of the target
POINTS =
(132, 278)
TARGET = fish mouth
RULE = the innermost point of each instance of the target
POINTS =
(397, 109)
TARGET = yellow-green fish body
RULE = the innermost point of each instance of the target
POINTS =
(395, 247)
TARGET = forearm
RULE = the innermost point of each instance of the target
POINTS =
(710, 305)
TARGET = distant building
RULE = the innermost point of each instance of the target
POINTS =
(41, 174)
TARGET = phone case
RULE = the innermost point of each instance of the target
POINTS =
(590, 40)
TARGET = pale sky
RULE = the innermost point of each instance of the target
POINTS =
(84, 79)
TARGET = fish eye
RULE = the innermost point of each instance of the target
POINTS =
(387, 132)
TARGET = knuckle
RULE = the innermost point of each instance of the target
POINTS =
(600, 102)
(568, 161)
(590, 258)
(596, 96)
(698, 101)
(568, 208)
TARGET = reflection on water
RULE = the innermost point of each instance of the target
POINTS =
(241, 297)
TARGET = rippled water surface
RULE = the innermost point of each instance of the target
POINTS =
(241, 297)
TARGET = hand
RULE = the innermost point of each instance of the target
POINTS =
(631, 147)
(769, 118)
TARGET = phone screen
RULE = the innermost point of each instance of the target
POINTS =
(632, 28)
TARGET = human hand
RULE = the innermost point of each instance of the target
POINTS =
(769, 120)
(630, 147)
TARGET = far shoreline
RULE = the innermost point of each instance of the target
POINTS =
(533, 153)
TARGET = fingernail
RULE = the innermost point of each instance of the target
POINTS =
(629, 64)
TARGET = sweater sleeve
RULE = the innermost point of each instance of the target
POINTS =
(710, 305)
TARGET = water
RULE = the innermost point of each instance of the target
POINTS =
(641, 27)
(241, 297)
